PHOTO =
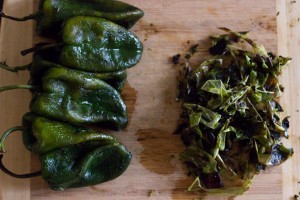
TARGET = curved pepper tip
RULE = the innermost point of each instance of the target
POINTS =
(84, 165)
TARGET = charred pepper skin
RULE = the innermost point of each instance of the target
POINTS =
(84, 164)
(79, 98)
(41, 135)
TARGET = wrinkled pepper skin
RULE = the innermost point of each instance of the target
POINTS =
(42, 62)
(97, 45)
(53, 12)
(83, 165)
(73, 156)
(93, 45)
(41, 134)
(79, 98)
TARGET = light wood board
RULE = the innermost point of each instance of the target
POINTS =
(168, 27)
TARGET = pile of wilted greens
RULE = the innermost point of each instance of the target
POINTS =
(231, 123)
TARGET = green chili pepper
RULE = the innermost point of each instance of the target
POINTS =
(52, 13)
(83, 165)
(76, 97)
(94, 45)
(43, 62)
(41, 134)
(71, 156)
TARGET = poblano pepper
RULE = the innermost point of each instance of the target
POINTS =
(41, 134)
(71, 156)
(77, 97)
(83, 165)
(42, 61)
(94, 45)
(52, 13)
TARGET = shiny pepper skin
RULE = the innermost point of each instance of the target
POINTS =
(83, 164)
(73, 156)
(76, 82)
(42, 62)
(80, 98)
(41, 134)
(53, 13)
(98, 45)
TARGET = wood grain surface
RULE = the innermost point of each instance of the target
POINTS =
(168, 27)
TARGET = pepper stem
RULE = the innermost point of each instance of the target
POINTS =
(2, 150)
(19, 19)
(7, 133)
(3, 65)
(12, 87)
(40, 47)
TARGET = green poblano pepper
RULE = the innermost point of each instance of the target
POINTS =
(41, 134)
(52, 13)
(76, 97)
(42, 61)
(70, 155)
(80, 98)
(83, 165)
(94, 45)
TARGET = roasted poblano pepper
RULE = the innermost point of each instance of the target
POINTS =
(52, 13)
(76, 97)
(70, 156)
(77, 81)
(83, 164)
(94, 45)
(42, 62)
(41, 134)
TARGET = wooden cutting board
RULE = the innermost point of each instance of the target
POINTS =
(168, 27)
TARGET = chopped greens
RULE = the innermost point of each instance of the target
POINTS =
(231, 123)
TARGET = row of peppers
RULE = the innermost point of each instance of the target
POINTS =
(77, 82)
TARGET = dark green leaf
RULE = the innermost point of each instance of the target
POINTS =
(200, 114)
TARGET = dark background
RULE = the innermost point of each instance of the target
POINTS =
(1, 4)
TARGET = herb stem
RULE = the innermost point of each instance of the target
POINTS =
(255, 110)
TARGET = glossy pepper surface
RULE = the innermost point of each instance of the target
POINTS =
(83, 164)
(52, 13)
(42, 62)
(70, 155)
(95, 45)
(80, 98)
(41, 134)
